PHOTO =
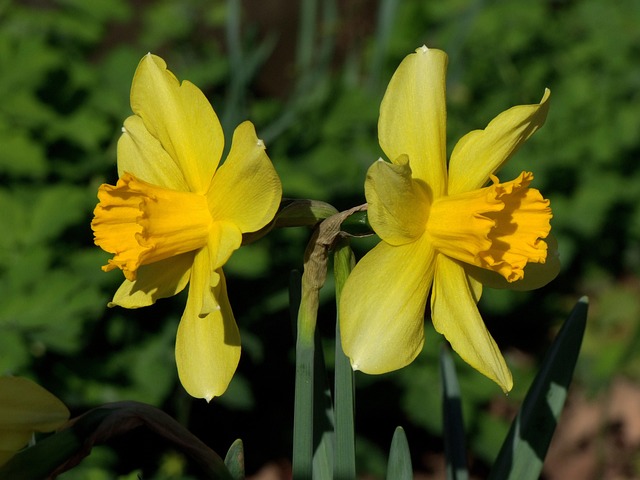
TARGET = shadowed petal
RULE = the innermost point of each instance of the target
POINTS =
(413, 116)
(246, 190)
(481, 153)
(208, 340)
(26, 407)
(382, 306)
(224, 239)
(181, 118)
(455, 315)
(142, 155)
(161, 279)
(536, 275)
(398, 204)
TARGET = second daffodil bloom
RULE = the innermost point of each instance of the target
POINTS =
(444, 231)
(176, 215)
(26, 408)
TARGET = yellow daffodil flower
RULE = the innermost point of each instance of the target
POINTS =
(25, 408)
(442, 231)
(175, 216)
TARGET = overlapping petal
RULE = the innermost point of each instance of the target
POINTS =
(161, 279)
(142, 155)
(246, 189)
(398, 204)
(224, 239)
(208, 339)
(455, 315)
(382, 306)
(481, 153)
(413, 116)
(181, 118)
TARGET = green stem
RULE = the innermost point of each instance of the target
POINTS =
(315, 273)
(303, 401)
(345, 464)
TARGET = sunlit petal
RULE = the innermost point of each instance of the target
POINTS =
(382, 306)
(142, 155)
(181, 118)
(455, 315)
(413, 116)
(246, 190)
(398, 204)
(154, 281)
(207, 344)
(481, 153)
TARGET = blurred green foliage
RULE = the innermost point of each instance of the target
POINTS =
(313, 93)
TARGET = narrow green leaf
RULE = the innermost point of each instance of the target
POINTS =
(234, 460)
(345, 462)
(454, 443)
(303, 396)
(399, 467)
(313, 437)
(522, 454)
(37, 462)
(63, 450)
(323, 417)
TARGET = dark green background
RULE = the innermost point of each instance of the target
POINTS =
(310, 75)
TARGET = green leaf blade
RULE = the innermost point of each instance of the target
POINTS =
(399, 467)
(454, 439)
(523, 451)
(345, 463)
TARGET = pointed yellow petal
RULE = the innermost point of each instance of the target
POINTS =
(207, 344)
(142, 155)
(455, 315)
(536, 275)
(481, 153)
(413, 116)
(398, 205)
(26, 407)
(154, 281)
(246, 190)
(181, 118)
(382, 306)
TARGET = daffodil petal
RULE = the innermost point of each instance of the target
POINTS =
(26, 407)
(455, 315)
(481, 153)
(382, 306)
(142, 155)
(207, 345)
(398, 204)
(161, 279)
(181, 118)
(224, 239)
(246, 190)
(413, 116)
(536, 275)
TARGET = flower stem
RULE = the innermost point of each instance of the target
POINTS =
(344, 403)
